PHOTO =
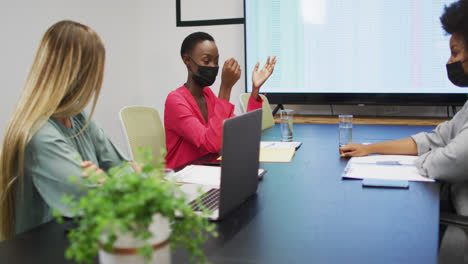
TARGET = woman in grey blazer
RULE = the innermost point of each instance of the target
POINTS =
(443, 153)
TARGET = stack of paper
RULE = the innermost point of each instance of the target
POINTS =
(384, 167)
(199, 174)
(205, 175)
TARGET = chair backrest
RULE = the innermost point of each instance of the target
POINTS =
(142, 127)
(267, 116)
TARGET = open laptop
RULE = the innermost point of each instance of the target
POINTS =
(239, 167)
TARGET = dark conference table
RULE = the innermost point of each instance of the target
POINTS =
(303, 212)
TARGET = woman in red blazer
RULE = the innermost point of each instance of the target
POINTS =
(194, 115)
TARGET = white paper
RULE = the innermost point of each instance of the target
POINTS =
(384, 167)
(204, 175)
(199, 174)
(280, 144)
(374, 159)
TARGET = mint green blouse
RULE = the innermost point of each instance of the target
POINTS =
(52, 156)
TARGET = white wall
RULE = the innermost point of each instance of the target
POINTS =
(142, 47)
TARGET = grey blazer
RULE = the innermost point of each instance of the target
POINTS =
(443, 155)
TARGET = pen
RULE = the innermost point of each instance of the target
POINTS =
(269, 145)
(384, 163)
(388, 162)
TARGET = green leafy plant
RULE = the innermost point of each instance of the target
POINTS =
(125, 203)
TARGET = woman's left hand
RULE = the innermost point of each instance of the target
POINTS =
(92, 171)
(259, 77)
(137, 167)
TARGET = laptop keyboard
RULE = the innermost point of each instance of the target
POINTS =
(209, 200)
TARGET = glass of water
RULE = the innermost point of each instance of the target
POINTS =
(286, 124)
(345, 129)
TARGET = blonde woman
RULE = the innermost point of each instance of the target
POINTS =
(49, 137)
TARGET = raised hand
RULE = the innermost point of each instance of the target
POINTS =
(230, 75)
(260, 76)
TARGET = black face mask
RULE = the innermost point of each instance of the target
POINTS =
(456, 74)
(206, 75)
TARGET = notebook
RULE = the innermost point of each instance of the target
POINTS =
(239, 167)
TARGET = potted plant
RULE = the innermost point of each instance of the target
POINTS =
(133, 216)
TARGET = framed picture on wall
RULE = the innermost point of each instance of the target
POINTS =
(191, 13)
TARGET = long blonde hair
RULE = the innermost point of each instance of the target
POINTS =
(66, 73)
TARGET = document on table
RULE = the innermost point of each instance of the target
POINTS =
(199, 174)
(384, 167)
(276, 151)
(205, 175)
(276, 154)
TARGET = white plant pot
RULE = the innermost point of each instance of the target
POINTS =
(126, 245)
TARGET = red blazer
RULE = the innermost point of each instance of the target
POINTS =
(188, 135)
